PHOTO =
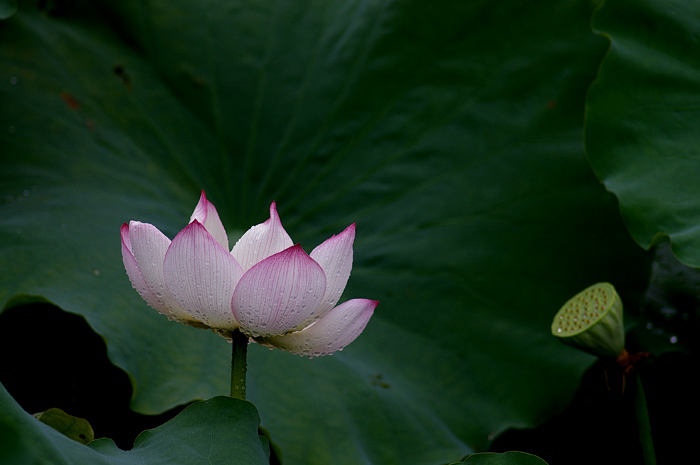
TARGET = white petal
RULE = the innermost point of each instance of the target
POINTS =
(135, 276)
(331, 333)
(201, 275)
(206, 214)
(262, 241)
(148, 246)
(335, 257)
(278, 293)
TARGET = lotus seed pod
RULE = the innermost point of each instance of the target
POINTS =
(592, 321)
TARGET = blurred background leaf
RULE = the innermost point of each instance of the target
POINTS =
(507, 458)
(7, 8)
(75, 428)
(451, 133)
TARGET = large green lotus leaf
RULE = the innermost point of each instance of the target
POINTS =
(451, 134)
(642, 117)
(220, 430)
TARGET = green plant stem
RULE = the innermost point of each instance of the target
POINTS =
(640, 406)
(238, 364)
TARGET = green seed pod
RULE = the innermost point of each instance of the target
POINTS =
(592, 321)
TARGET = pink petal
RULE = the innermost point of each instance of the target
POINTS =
(201, 275)
(262, 241)
(278, 293)
(206, 214)
(331, 333)
(147, 246)
(335, 257)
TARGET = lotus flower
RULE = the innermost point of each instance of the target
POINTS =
(267, 287)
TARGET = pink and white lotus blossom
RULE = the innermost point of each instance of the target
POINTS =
(267, 287)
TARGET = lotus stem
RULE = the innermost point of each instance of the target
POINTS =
(238, 364)
(640, 406)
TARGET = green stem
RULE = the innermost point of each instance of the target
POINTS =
(640, 405)
(238, 364)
